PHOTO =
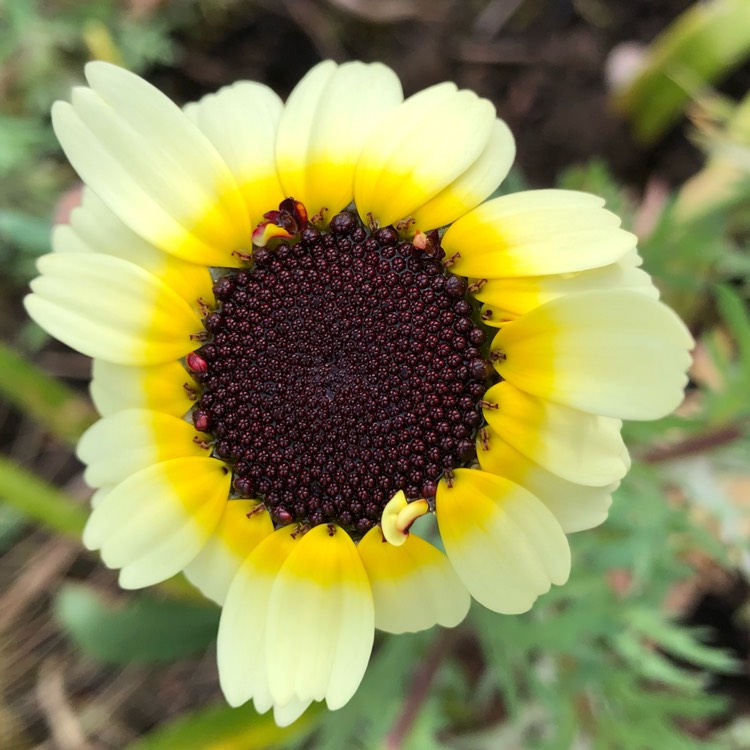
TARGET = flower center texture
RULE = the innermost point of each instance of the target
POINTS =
(341, 367)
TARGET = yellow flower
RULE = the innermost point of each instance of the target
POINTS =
(290, 311)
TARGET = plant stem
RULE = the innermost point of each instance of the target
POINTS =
(694, 444)
(57, 408)
(39, 500)
(420, 689)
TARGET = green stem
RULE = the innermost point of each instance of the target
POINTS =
(58, 409)
(40, 501)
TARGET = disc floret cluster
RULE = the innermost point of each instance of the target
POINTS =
(343, 365)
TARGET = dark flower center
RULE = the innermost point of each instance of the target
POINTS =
(341, 368)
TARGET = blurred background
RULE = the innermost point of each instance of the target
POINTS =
(645, 103)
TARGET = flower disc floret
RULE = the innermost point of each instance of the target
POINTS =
(342, 367)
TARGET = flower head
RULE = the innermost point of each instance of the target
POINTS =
(310, 334)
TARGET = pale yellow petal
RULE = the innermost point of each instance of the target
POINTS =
(505, 545)
(536, 233)
(167, 388)
(108, 308)
(126, 442)
(322, 618)
(156, 521)
(575, 506)
(242, 527)
(241, 121)
(580, 447)
(620, 354)
(474, 185)
(418, 150)
(326, 121)
(413, 585)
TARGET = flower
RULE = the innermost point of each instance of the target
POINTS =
(288, 307)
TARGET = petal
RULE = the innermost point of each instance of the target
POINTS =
(152, 167)
(413, 585)
(289, 713)
(156, 521)
(243, 526)
(536, 233)
(580, 447)
(419, 149)
(108, 308)
(242, 641)
(620, 354)
(575, 506)
(479, 180)
(99, 495)
(510, 298)
(326, 121)
(116, 447)
(94, 228)
(241, 121)
(166, 388)
(505, 545)
(322, 619)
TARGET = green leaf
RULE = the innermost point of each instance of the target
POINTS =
(735, 314)
(225, 728)
(142, 630)
(704, 44)
(680, 641)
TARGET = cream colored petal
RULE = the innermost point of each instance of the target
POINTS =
(506, 547)
(243, 526)
(156, 521)
(94, 228)
(419, 149)
(413, 585)
(478, 182)
(152, 167)
(126, 442)
(326, 121)
(166, 388)
(289, 713)
(243, 633)
(322, 619)
(510, 298)
(580, 447)
(536, 233)
(241, 121)
(620, 354)
(108, 308)
(99, 495)
(575, 506)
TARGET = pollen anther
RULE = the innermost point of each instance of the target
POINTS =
(475, 286)
(399, 515)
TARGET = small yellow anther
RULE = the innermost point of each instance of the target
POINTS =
(399, 515)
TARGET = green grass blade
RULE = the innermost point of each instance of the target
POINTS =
(40, 501)
(54, 406)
